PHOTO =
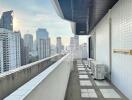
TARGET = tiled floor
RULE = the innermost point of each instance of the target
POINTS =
(82, 72)
(90, 89)
(88, 93)
(85, 83)
(83, 76)
(102, 83)
(109, 93)
(81, 69)
(80, 66)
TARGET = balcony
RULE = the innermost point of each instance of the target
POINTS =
(13, 79)
(83, 86)
(56, 78)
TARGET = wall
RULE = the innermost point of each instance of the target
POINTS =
(103, 42)
(54, 86)
(122, 39)
(117, 35)
(13, 79)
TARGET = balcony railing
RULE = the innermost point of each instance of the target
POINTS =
(51, 84)
(13, 79)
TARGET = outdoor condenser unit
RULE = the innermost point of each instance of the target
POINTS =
(98, 70)
(89, 62)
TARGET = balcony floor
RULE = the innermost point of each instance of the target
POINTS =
(82, 86)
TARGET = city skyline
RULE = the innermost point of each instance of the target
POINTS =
(35, 14)
(40, 14)
(43, 43)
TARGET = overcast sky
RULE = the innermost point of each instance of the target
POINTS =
(32, 14)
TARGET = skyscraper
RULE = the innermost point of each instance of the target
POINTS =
(28, 42)
(28, 46)
(71, 43)
(74, 43)
(18, 50)
(1, 56)
(42, 33)
(58, 45)
(48, 48)
(43, 43)
(84, 52)
(23, 53)
(74, 46)
(6, 20)
(9, 42)
(53, 49)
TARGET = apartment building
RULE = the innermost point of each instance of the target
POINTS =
(9, 42)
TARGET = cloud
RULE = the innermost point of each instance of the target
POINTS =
(32, 14)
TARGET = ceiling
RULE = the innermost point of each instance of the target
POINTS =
(85, 14)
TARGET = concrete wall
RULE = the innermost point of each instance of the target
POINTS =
(117, 34)
(103, 42)
(11, 80)
(54, 86)
(122, 39)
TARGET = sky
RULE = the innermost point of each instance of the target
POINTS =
(32, 14)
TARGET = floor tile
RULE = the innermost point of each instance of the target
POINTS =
(88, 93)
(83, 76)
(79, 64)
(84, 95)
(92, 95)
(91, 90)
(84, 90)
(82, 72)
(102, 83)
(109, 93)
(88, 90)
(85, 83)
(81, 68)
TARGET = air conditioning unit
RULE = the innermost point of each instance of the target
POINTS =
(92, 65)
(98, 70)
(89, 62)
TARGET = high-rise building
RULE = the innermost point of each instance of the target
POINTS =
(34, 51)
(53, 49)
(42, 33)
(58, 45)
(48, 47)
(6, 20)
(43, 43)
(18, 48)
(10, 49)
(28, 46)
(74, 43)
(74, 46)
(28, 42)
(41, 48)
(33, 55)
(23, 53)
(1, 56)
(62, 47)
(83, 49)
(71, 43)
